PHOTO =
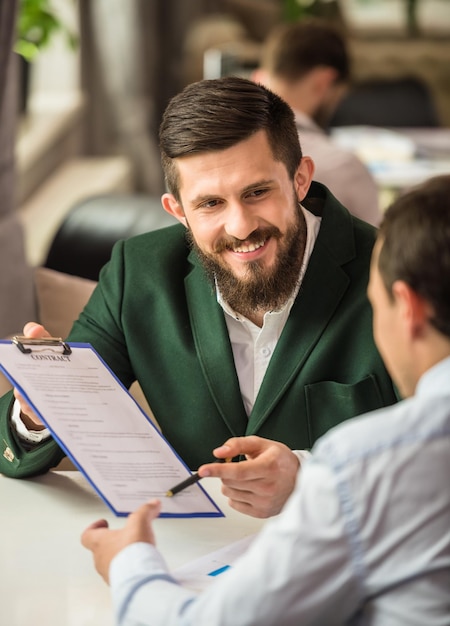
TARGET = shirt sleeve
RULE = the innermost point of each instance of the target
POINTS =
(298, 570)
(33, 437)
(302, 455)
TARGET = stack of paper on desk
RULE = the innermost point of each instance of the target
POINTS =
(199, 574)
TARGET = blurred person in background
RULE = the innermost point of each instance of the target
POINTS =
(307, 63)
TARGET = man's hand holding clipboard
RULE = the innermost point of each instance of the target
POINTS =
(31, 421)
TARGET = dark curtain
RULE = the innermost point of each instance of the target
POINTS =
(132, 64)
(16, 285)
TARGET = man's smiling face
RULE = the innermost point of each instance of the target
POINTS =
(241, 209)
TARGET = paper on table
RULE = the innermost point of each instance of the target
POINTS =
(199, 574)
(399, 158)
(102, 429)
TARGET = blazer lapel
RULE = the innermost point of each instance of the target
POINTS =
(214, 349)
(323, 286)
(310, 314)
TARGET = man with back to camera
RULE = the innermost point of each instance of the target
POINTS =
(307, 63)
(254, 333)
(365, 536)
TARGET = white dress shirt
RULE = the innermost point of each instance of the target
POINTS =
(363, 540)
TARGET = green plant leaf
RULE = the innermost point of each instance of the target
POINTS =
(36, 24)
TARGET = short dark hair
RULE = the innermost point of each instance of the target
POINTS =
(415, 246)
(216, 114)
(293, 49)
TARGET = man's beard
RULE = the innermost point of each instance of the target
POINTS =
(259, 289)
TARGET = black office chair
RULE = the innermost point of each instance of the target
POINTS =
(403, 102)
(84, 241)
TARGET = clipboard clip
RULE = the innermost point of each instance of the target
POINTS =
(21, 341)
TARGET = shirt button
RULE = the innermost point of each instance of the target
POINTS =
(265, 351)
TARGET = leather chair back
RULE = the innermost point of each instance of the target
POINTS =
(403, 102)
(84, 241)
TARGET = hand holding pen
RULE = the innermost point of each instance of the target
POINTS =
(261, 482)
(191, 480)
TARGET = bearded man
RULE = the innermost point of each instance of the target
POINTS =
(247, 326)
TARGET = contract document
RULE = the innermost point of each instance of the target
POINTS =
(101, 427)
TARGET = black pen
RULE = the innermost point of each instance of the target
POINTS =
(191, 480)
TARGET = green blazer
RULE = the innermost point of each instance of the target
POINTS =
(154, 317)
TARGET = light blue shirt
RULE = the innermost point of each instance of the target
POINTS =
(363, 540)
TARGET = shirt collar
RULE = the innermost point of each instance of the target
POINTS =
(435, 380)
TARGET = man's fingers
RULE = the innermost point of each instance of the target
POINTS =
(101, 523)
(251, 447)
(242, 471)
(89, 535)
(35, 331)
(141, 519)
(146, 512)
(153, 509)
(248, 446)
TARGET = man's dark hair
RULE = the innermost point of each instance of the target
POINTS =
(294, 49)
(415, 237)
(216, 114)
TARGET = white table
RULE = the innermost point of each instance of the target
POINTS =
(48, 578)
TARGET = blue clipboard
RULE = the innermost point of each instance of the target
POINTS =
(57, 354)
